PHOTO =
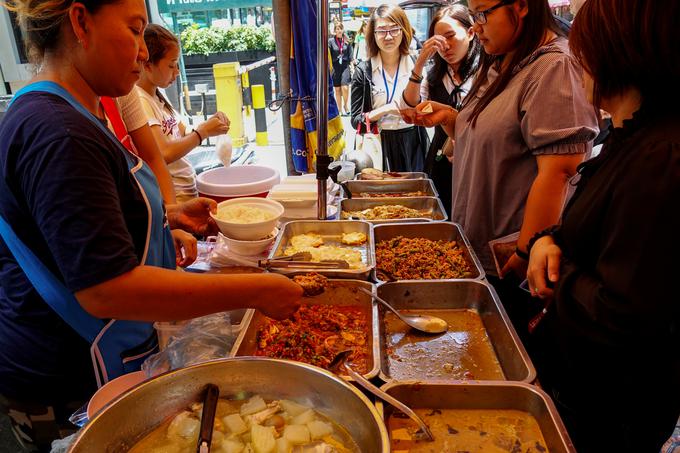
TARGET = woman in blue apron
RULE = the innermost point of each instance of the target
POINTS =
(87, 260)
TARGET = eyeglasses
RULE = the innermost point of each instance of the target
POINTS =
(393, 32)
(480, 16)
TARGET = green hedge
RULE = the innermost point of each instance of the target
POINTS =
(204, 41)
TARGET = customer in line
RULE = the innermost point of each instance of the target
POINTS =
(613, 328)
(455, 51)
(91, 214)
(377, 87)
(341, 54)
(522, 131)
(172, 136)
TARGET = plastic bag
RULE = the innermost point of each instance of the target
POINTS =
(200, 340)
(223, 148)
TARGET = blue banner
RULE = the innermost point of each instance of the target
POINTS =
(303, 86)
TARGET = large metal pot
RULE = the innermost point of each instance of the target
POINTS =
(129, 417)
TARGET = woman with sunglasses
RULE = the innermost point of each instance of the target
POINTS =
(377, 87)
(613, 327)
(522, 131)
(455, 51)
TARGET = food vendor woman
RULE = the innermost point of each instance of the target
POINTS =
(89, 214)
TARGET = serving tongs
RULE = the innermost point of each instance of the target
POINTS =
(301, 260)
(212, 393)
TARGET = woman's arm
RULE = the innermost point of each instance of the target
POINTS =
(148, 150)
(430, 47)
(149, 293)
(544, 203)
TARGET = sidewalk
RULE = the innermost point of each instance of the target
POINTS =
(271, 155)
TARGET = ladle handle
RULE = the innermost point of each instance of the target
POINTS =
(365, 383)
(384, 303)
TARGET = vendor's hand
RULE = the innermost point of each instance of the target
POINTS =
(217, 124)
(544, 261)
(186, 250)
(516, 266)
(282, 299)
(194, 216)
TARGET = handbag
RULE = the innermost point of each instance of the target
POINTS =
(369, 142)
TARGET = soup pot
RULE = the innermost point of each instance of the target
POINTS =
(135, 413)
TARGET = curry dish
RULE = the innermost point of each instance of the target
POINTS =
(464, 351)
(403, 258)
(316, 333)
(468, 430)
(417, 193)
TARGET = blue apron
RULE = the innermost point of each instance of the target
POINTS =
(117, 347)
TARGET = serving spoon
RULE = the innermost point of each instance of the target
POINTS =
(339, 362)
(423, 323)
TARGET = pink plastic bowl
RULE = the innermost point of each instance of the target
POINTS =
(225, 183)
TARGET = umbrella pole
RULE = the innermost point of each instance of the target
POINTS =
(322, 157)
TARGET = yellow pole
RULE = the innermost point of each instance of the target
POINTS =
(259, 105)
(229, 99)
(247, 101)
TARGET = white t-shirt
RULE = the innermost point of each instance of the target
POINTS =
(382, 86)
(157, 114)
(131, 111)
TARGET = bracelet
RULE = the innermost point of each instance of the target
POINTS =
(405, 101)
(550, 231)
(418, 78)
(200, 139)
(414, 80)
(521, 254)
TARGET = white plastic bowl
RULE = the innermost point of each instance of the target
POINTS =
(224, 183)
(249, 231)
(250, 248)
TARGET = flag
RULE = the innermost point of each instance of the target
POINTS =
(303, 79)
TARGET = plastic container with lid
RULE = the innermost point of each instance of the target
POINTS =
(347, 169)
(225, 183)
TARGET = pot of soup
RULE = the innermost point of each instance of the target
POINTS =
(277, 403)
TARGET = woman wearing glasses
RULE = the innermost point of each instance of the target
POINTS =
(377, 87)
(615, 317)
(455, 50)
(523, 129)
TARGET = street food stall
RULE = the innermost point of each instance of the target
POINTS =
(293, 385)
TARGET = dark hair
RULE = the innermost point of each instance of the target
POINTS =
(537, 22)
(629, 43)
(470, 62)
(41, 20)
(158, 40)
(396, 15)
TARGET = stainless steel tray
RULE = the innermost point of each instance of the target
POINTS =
(433, 204)
(485, 395)
(338, 292)
(435, 231)
(392, 185)
(406, 175)
(330, 230)
(478, 295)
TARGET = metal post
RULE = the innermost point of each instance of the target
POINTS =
(322, 157)
(259, 105)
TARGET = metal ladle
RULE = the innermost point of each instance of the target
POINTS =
(423, 323)
(340, 362)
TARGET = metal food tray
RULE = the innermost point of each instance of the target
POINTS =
(452, 294)
(338, 292)
(485, 395)
(435, 231)
(406, 175)
(331, 231)
(432, 203)
(392, 185)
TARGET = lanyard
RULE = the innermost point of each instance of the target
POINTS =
(340, 43)
(394, 86)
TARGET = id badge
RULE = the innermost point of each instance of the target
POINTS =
(340, 59)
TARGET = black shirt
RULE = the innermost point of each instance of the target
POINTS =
(66, 191)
